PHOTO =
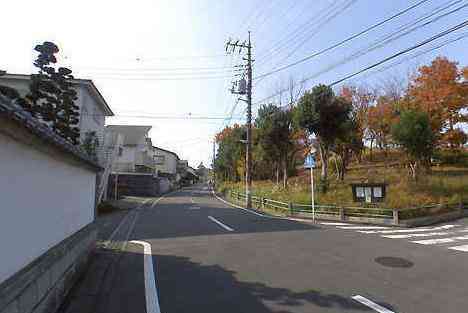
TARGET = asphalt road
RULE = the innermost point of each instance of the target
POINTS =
(209, 257)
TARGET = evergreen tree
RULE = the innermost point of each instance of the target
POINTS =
(51, 95)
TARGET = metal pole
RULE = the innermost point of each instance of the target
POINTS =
(116, 182)
(312, 192)
(248, 178)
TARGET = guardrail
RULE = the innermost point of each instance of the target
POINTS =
(349, 213)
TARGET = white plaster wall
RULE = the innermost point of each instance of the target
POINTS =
(42, 201)
(126, 161)
(170, 162)
(92, 117)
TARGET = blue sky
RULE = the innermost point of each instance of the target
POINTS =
(137, 52)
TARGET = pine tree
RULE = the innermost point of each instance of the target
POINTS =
(51, 95)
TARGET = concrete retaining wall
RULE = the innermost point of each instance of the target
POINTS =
(43, 284)
(139, 185)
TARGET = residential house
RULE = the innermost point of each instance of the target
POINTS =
(48, 193)
(93, 112)
(165, 163)
(133, 169)
(93, 107)
(187, 173)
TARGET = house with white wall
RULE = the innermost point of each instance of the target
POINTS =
(136, 153)
(92, 105)
(133, 169)
(48, 193)
(165, 163)
(93, 110)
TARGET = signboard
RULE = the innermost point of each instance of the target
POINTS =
(369, 192)
(309, 161)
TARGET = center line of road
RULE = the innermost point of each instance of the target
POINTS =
(220, 224)
(371, 304)
(151, 293)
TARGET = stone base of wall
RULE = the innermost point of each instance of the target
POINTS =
(137, 185)
(43, 285)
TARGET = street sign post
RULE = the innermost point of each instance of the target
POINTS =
(310, 163)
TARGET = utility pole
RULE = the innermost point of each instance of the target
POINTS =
(213, 166)
(246, 89)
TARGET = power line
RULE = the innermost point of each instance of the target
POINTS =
(442, 34)
(318, 28)
(400, 32)
(343, 41)
(411, 57)
(159, 78)
(168, 117)
(297, 32)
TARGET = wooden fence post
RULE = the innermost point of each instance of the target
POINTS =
(262, 203)
(396, 217)
(290, 206)
(342, 214)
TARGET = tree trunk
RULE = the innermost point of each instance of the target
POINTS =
(370, 151)
(285, 174)
(337, 168)
(277, 173)
(324, 158)
(324, 170)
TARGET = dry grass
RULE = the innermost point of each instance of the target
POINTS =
(443, 185)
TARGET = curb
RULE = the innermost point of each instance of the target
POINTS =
(262, 214)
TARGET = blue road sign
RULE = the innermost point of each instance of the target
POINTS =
(309, 161)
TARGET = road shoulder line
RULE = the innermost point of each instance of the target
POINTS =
(151, 292)
(371, 304)
(220, 223)
(244, 209)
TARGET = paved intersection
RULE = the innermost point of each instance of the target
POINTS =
(205, 256)
(451, 236)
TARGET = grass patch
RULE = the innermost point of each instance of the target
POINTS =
(445, 184)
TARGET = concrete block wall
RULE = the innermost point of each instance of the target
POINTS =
(43, 285)
(134, 185)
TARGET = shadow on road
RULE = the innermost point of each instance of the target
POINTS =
(184, 285)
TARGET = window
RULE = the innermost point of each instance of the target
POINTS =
(159, 159)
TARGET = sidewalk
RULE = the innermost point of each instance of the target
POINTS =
(90, 293)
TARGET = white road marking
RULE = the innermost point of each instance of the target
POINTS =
(440, 240)
(416, 235)
(463, 248)
(122, 222)
(194, 208)
(151, 293)
(362, 227)
(415, 230)
(426, 234)
(244, 209)
(220, 224)
(372, 305)
(334, 224)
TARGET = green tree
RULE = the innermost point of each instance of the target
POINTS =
(324, 115)
(230, 160)
(414, 133)
(275, 134)
(51, 95)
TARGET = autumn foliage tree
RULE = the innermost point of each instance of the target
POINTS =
(440, 91)
(361, 99)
